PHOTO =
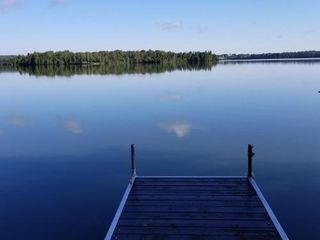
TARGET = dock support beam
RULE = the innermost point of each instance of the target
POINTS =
(250, 156)
(133, 163)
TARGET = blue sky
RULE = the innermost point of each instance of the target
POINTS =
(222, 26)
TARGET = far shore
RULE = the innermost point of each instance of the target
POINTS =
(269, 59)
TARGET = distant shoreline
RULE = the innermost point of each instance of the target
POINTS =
(270, 59)
(273, 56)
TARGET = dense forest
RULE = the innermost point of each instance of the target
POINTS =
(284, 55)
(124, 58)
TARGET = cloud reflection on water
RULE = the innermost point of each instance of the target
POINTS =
(18, 121)
(72, 126)
(170, 96)
(180, 129)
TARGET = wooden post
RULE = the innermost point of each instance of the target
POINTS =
(250, 156)
(133, 163)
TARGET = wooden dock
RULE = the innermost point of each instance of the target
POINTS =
(192, 208)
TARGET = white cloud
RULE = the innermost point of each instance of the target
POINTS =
(7, 5)
(18, 121)
(170, 25)
(55, 3)
(170, 96)
(72, 126)
(180, 129)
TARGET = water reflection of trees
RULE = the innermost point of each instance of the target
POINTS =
(52, 71)
(6, 68)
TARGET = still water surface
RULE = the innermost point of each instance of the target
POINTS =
(64, 141)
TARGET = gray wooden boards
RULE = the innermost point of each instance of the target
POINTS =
(191, 208)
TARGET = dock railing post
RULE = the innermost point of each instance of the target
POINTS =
(133, 163)
(250, 156)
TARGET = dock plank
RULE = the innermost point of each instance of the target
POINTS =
(193, 188)
(197, 209)
(196, 215)
(186, 223)
(192, 237)
(196, 230)
(188, 204)
(194, 197)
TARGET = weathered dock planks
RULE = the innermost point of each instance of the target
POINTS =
(194, 208)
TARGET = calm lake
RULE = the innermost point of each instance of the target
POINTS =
(65, 141)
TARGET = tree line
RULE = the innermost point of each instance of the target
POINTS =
(117, 57)
(283, 55)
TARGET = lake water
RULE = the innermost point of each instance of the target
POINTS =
(64, 141)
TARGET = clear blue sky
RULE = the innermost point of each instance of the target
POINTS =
(222, 26)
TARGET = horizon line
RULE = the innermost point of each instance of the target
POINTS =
(293, 51)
